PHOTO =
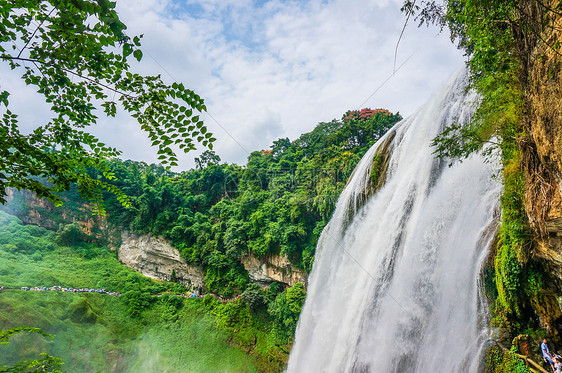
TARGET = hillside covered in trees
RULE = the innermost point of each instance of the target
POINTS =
(278, 203)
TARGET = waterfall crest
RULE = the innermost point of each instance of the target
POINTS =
(394, 286)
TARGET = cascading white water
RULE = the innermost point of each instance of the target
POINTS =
(396, 288)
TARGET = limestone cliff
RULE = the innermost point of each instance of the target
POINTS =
(153, 257)
(156, 258)
(543, 153)
(41, 212)
(543, 156)
(273, 268)
(542, 163)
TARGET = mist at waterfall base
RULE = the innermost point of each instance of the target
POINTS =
(395, 282)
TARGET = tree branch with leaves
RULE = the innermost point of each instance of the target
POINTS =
(76, 53)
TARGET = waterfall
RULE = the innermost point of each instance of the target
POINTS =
(395, 282)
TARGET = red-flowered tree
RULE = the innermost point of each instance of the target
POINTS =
(364, 114)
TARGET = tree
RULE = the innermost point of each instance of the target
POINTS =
(45, 364)
(498, 37)
(254, 296)
(70, 235)
(76, 53)
(286, 310)
(207, 158)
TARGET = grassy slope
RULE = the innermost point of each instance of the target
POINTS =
(94, 331)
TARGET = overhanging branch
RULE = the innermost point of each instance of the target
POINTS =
(35, 61)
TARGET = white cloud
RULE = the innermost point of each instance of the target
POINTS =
(271, 69)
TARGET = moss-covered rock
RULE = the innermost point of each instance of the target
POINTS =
(499, 360)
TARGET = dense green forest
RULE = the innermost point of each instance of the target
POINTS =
(279, 202)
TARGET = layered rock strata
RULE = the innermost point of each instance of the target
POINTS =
(156, 258)
(273, 268)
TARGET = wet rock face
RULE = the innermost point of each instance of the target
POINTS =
(548, 310)
(375, 176)
(156, 258)
(273, 268)
(543, 150)
(542, 162)
(545, 96)
(39, 211)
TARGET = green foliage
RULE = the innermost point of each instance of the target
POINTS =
(173, 277)
(457, 141)
(76, 54)
(169, 333)
(286, 310)
(137, 301)
(70, 235)
(485, 31)
(252, 331)
(228, 280)
(499, 38)
(511, 256)
(5, 335)
(254, 296)
(277, 204)
(18, 239)
(81, 310)
(508, 278)
(518, 278)
(46, 363)
(207, 159)
(500, 361)
(377, 169)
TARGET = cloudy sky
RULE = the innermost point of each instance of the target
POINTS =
(275, 68)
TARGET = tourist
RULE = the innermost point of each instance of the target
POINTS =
(546, 354)
(558, 364)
